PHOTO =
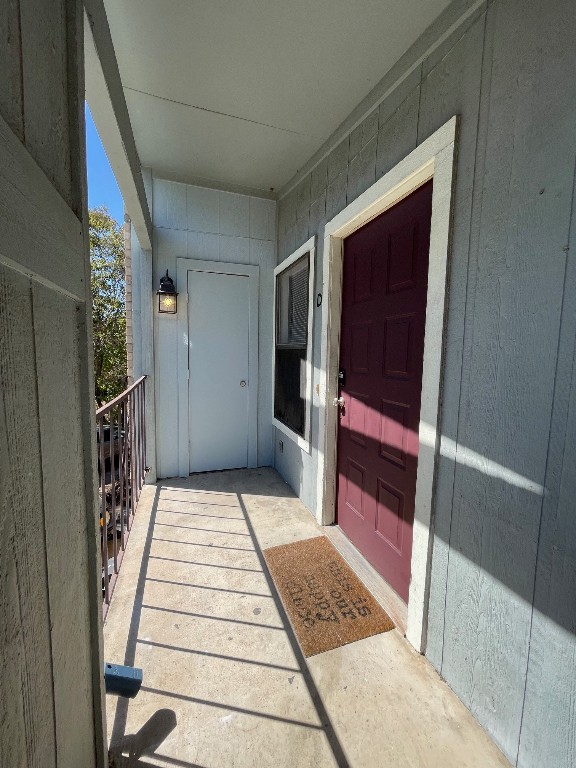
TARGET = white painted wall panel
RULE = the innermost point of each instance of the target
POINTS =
(144, 301)
(235, 249)
(136, 308)
(203, 246)
(168, 245)
(170, 205)
(234, 214)
(263, 254)
(216, 227)
(262, 218)
(203, 208)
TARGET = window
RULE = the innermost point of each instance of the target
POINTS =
(292, 359)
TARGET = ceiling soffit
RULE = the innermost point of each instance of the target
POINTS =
(245, 92)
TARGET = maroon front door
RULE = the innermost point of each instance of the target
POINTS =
(381, 349)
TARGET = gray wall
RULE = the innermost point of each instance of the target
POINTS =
(50, 605)
(502, 619)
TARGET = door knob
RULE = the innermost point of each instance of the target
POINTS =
(242, 383)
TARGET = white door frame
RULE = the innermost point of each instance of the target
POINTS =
(433, 159)
(183, 266)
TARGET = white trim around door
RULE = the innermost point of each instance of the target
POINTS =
(433, 159)
(183, 266)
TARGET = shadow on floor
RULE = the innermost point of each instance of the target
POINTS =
(127, 750)
(146, 741)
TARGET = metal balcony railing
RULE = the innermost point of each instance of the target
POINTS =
(121, 443)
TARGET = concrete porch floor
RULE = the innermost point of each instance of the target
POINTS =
(225, 683)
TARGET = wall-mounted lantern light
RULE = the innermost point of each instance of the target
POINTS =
(167, 296)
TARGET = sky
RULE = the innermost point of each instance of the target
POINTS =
(102, 187)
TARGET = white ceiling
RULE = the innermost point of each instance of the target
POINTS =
(243, 92)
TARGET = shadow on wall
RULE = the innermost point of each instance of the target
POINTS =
(289, 463)
(290, 460)
(495, 517)
(504, 543)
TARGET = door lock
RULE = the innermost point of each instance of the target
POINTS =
(242, 383)
(338, 402)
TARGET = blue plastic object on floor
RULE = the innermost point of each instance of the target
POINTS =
(122, 681)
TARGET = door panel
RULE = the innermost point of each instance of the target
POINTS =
(385, 280)
(218, 328)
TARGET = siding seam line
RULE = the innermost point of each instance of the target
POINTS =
(22, 110)
(469, 300)
(420, 84)
(552, 410)
(41, 471)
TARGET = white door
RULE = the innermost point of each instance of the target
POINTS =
(218, 391)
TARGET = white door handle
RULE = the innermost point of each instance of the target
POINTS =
(338, 402)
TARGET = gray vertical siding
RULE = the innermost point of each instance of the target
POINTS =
(502, 618)
(51, 710)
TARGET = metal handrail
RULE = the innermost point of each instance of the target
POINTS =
(121, 473)
(104, 409)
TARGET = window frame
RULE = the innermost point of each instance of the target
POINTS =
(307, 249)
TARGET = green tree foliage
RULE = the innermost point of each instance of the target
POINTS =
(108, 304)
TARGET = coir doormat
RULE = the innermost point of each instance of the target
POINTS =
(326, 602)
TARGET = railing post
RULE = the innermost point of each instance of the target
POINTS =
(103, 522)
(125, 416)
(126, 460)
(121, 474)
(113, 488)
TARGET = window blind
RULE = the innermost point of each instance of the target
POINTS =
(298, 307)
